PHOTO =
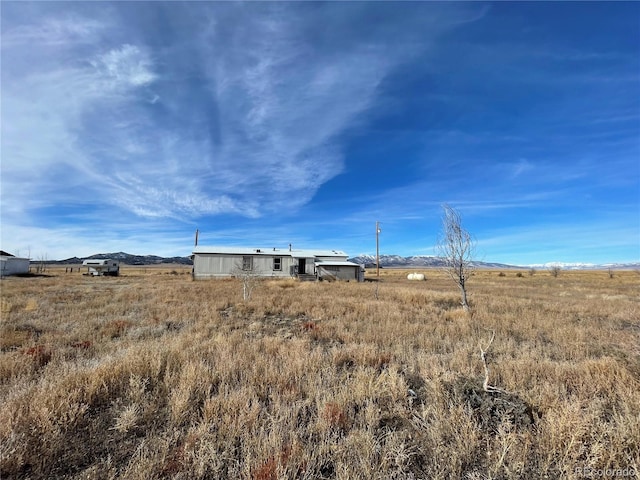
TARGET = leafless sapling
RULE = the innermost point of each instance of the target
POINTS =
(248, 276)
(456, 247)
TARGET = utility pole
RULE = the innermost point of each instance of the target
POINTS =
(197, 237)
(378, 250)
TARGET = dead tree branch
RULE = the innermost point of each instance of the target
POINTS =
(483, 355)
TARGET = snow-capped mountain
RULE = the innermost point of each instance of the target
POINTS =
(390, 261)
(587, 266)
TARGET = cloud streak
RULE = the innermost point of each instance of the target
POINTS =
(245, 130)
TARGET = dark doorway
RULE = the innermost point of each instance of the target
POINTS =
(302, 266)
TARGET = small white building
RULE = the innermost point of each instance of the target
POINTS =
(220, 262)
(12, 265)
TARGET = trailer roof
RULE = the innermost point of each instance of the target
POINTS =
(268, 251)
(337, 264)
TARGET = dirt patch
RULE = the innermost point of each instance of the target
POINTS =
(393, 422)
(284, 326)
(491, 409)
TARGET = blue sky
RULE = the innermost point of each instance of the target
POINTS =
(127, 125)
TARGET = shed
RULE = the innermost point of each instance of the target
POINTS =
(330, 270)
(12, 265)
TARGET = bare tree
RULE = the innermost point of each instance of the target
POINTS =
(456, 247)
(42, 263)
(248, 276)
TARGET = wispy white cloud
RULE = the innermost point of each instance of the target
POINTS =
(128, 65)
(54, 31)
(520, 167)
(244, 118)
(117, 117)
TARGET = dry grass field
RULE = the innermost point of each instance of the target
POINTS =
(153, 375)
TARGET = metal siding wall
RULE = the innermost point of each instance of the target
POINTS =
(287, 263)
(340, 258)
(342, 272)
(17, 265)
(207, 266)
(228, 264)
(347, 273)
(263, 266)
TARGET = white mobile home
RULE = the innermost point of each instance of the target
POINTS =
(100, 267)
(12, 265)
(219, 262)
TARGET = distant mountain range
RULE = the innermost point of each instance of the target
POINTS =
(386, 261)
(426, 261)
(128, 259)
(588, 266)
(396, 261)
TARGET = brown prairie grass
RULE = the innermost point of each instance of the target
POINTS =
(153, 375)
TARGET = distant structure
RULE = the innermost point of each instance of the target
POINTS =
(220, 262)
(102, 267)
(12, 265)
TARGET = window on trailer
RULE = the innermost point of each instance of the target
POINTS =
(277, 263)
(247, 263)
